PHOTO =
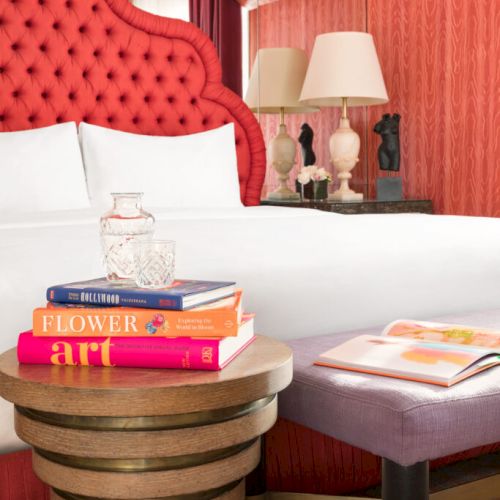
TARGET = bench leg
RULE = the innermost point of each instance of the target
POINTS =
(405, 483)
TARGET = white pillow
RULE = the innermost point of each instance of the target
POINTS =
(42, 169)
(198, 170)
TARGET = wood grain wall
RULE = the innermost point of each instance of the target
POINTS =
(440, 60)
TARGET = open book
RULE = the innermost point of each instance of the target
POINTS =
(434, 353)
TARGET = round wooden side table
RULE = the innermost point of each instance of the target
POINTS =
(131, 433)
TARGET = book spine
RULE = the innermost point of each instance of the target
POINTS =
(132, 322)
(139, 352)
(96, 296)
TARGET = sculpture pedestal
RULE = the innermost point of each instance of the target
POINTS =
(283, 194)
(339, 196)
(389, 189)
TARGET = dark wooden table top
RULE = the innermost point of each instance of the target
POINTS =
(358, 207)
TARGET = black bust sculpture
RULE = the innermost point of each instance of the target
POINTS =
(306, 139)
(388, 151)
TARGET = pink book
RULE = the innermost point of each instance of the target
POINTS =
(140, 352)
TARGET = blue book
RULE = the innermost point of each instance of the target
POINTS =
(180, 295)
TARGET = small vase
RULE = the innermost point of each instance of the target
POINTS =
(320, 190)
(124, 224)
(313, 190)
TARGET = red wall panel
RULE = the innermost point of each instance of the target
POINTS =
(412, 58)
(440, 63)
(440, 60)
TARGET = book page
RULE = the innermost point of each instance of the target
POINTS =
(418, 359)
(442, 332)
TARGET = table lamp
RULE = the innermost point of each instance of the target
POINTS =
(275, 84)
(344, 71)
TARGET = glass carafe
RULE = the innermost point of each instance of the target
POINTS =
(125, 223)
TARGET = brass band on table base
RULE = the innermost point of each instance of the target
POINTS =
(45, 431)
(225, 492)
(169, 475)
(81, 460)
(151, 443)
(158, 422)
(143, 464)
(151, 484)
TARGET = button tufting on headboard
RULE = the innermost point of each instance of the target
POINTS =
(117, 66)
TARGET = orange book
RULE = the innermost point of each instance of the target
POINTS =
(217, 319)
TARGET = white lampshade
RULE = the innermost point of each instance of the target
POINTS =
(344, 64)
(276, 81)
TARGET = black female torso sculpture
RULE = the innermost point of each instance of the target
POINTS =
(388, 151)
(306, 139)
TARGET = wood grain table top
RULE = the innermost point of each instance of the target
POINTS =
(261, 370)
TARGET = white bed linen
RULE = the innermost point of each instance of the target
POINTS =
(304, 272)
(42, 169)
(194, 170)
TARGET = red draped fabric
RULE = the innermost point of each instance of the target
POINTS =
(221, 21)
(299, 459)
(17, 479)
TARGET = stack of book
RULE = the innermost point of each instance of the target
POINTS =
(197, 325)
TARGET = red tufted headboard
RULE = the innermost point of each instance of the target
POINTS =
(109, 63)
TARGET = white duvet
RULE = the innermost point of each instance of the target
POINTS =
(304, 272)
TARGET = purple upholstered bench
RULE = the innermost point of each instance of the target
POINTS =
(406, 423)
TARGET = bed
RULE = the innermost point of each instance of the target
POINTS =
(304, 272)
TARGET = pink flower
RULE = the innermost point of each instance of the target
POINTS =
(313, 173)
(304, 177)
(158, 320)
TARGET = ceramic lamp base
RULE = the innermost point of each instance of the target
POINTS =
(281, 155)
(344, 151)
(340, 196)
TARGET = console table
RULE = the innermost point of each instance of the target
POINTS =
(359, 207)
(131, 433)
